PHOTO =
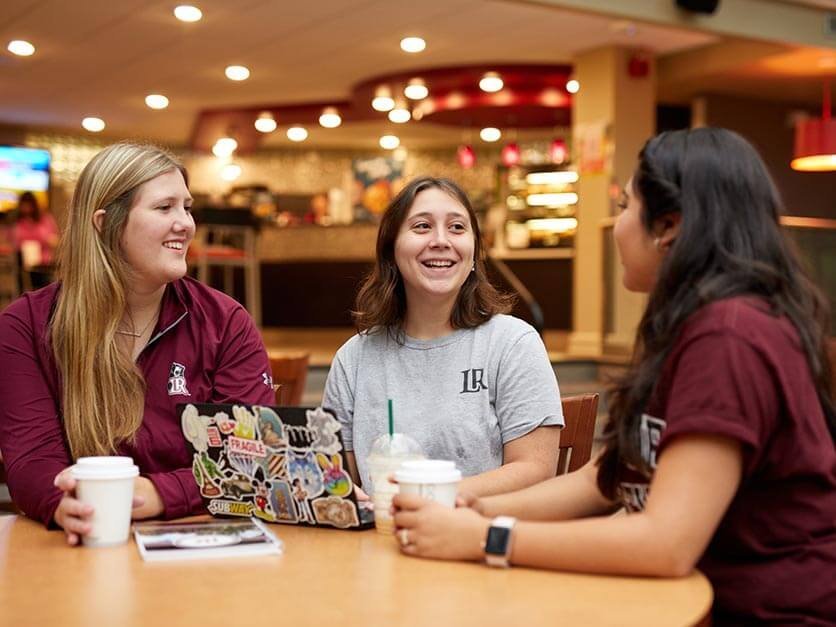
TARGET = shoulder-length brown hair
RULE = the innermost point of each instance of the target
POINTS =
(381, 301)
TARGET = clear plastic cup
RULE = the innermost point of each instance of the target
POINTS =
(434, 479)
(385, 458)
(106, 483)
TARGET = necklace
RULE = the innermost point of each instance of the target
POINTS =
(144, 329)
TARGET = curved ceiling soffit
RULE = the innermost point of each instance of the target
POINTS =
(533, 96)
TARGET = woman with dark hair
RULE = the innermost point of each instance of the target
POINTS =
(720, 441)
(468, 382)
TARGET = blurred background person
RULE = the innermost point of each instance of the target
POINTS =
(35, 236)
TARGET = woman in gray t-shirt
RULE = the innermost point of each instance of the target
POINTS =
(470, 383)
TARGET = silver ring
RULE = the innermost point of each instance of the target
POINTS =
(403, 536)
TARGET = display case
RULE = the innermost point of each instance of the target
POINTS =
(538, 207)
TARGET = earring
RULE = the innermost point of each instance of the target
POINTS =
(657, 242)
(473, 268)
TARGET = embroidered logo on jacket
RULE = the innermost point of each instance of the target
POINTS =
(177, 380)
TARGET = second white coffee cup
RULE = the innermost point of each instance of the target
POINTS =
(107, 484)
(433, 479)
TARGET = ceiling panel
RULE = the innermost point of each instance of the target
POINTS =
(103, 56)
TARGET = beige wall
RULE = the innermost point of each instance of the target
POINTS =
(312, 171)
(287, 171)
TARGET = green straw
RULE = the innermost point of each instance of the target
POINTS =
(391, 421)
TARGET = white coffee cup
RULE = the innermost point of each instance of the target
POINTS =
(107, 484)
(433, 479)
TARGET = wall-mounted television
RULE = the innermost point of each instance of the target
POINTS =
(21, 170)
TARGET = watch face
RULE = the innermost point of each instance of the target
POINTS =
(497, 541)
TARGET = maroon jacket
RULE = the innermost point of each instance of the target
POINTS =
(739, 372)
(205, 348)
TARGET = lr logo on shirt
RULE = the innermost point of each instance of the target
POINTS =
(472, 381)
(177, 380)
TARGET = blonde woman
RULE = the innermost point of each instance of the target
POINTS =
(96, 363)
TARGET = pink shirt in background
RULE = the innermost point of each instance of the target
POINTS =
(45, 232)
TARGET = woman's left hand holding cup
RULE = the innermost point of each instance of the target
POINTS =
(428, 529)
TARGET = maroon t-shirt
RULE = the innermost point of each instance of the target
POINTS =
(738, 371)
(205, 348)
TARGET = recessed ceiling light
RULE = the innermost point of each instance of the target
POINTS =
(330, 118)
(187, 13)
(297, 133)
(413, 44)
(237, 73)
(389, 142)
(572, 86)
(491, 82)
(94, 125)
(416, 89)
(224, 147)
(21, 48)
(400, 115)
(231, 171)
(265, 123)
(156, 101)
(490, 134)
(382, 100)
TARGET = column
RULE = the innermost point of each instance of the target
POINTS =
(614, 114)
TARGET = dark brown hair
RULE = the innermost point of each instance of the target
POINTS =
(381, 301)
(730, 243)
(29, 197)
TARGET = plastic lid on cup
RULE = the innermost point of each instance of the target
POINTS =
(105, 467)
(428, 471)
(105, 460)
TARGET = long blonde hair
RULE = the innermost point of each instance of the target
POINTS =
(103, 391)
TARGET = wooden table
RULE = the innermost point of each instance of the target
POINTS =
(325, 577)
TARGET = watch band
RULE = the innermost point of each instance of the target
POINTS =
(498, 556)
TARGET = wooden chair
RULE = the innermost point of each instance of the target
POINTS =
(579, 413)
(290, 371)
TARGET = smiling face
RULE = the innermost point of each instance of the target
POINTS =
(158, 232)
(434, 250)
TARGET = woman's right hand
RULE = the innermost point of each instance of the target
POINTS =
(72, 515)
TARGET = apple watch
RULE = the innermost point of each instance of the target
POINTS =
(498, 541)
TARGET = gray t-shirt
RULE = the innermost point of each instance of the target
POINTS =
(461, 396)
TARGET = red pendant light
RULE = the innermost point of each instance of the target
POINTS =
(510, 154)
(466, 156)
(815, 140)
(558, 151)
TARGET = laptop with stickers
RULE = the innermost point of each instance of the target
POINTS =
(278, 464)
